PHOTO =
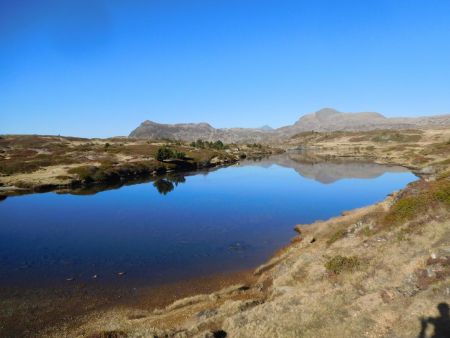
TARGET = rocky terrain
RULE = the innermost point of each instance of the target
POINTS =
(326, 119)
(378, 271)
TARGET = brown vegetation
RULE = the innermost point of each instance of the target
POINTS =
(30, 163)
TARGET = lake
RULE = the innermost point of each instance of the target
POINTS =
(179, 227)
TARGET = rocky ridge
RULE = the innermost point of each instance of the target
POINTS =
(326, 119)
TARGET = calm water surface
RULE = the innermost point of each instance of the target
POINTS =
(229, 219)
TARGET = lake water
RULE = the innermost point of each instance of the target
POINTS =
(180, 227)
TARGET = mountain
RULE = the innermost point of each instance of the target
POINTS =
(266, 128)
(329, 119)
(326, 119)
(195, 131)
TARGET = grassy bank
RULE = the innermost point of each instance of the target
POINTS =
(33, 163)
(426, 152)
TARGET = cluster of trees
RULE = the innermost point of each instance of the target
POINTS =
(166, 153)
(255, 145)
(207, 144)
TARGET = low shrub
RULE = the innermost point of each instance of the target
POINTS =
(405, 209)
(339, 264)
(441, 192)
(219, 145)
(164, 153)
(422, 201)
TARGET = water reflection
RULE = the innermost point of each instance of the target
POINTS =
(326, 170)
(307, 165)
(180, 225)
(168, 183)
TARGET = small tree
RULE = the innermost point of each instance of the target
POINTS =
(200, 144)
(164, 153)
(218, 144)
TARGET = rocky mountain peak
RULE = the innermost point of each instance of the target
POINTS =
(326, 112)
(325, 119)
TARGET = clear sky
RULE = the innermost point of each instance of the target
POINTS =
(99, 68)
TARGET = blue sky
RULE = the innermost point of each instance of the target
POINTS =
(99, 68)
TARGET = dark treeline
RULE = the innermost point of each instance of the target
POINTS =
(208, 145)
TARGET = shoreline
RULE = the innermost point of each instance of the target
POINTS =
(275, 279)
(79, 301)
(35, 164)
(295, 292)
(161, 296)
(77, 187)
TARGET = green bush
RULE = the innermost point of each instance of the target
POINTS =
(339, 264)
(219, 145)
(198, 144)
(441, 192)
(164, 153)
(405, 209)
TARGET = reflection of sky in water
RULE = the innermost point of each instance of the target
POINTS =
(230, 219)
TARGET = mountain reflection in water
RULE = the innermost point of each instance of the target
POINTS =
(307, 165)
(325, 170)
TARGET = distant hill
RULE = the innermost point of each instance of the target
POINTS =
(326, 119)
(266, 128)
(329, 119)
(195, 131)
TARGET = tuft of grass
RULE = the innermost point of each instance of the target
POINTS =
(339, 264)
(337, 236)
(366, 231)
